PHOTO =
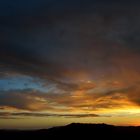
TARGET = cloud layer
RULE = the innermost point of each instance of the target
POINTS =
(85, 57)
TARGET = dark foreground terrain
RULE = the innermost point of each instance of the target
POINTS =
(76, 131)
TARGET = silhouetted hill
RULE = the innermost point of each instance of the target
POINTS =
(76, 130)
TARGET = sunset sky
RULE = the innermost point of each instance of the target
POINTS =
(64, 61)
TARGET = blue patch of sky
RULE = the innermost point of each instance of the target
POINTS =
(24, 82)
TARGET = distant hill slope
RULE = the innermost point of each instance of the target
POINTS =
(76, 130)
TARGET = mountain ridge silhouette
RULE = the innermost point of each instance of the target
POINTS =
(76, 130)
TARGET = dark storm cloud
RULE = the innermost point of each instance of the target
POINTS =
(56, 50)
(31, 7)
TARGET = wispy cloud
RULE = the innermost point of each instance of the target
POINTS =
(80, 99)
(8, 115)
